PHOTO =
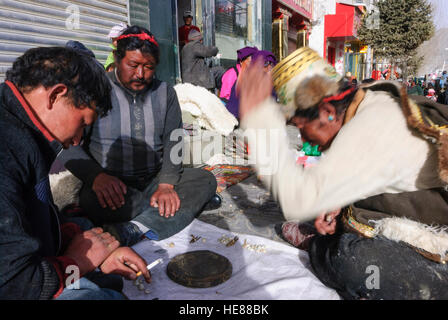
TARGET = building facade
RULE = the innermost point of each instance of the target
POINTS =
(334, 36)
(28, 24)
(229, 25)
(291, 25)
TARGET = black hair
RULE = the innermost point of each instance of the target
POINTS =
(134, 43)
(86, 81)
(342, 105)
(80, 47)
(339, 105)
(308, 113)
(245, 58)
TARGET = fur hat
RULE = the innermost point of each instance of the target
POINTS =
(303, 79)
(313, 89)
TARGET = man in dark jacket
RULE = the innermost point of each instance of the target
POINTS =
(131, 160)
(194, 67)
(49, 96)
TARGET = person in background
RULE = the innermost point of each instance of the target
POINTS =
(376, 74)
(194, 67)
(114, 33)
(269, 61)
(431, 94)
(80, 47)
(442, 97)
(186, 28)
(443, 79)
(231, 75)
(415, 89)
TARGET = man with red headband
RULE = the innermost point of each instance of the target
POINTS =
(131, 161)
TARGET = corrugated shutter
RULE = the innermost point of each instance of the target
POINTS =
(26, 24)
(139, 13)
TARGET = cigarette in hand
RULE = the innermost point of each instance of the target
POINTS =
(150, 266)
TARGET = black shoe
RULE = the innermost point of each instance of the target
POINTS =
(213, 203)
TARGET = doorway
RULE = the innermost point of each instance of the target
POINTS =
(331, 55)
(182, 6)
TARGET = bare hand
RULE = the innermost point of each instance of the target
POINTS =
(166, 199)
(90, 248)
(109, 190)
(126, 262)
(254, 86)
(326, 223)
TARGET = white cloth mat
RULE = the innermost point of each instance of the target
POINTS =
(281, 273)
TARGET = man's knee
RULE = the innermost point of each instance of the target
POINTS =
(348, 263)
(210, 180)
(88, 201)
(203, 179)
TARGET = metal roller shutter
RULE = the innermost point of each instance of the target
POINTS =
(25, 24)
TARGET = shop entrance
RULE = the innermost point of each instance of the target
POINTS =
(182, 7)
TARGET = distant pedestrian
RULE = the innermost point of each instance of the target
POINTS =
(194, 67)
(229, 78)
(431, 94)
(443, 79)
(113, 35)
(184, 31)
(442, 97)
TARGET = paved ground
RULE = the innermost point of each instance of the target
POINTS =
(249, 208)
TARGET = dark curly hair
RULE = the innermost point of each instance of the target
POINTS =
(86, 81)
(134, 43)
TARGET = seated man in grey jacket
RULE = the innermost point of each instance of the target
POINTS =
(194, 66)
(134, 183)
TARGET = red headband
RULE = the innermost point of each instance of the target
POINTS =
(142, 36)
(340, 96)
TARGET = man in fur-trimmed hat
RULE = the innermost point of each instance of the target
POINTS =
(385, 165)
